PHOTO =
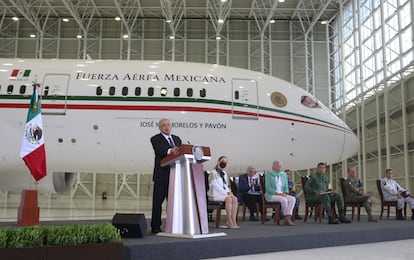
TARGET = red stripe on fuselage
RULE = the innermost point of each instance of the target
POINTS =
(164, 108)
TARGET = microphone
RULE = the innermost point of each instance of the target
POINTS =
(188, 142)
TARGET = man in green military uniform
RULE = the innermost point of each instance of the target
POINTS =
(317, 190)
(355, 192)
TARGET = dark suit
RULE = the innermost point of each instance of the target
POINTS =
(161, 176)
(250, 199)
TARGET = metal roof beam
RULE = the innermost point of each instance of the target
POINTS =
(218, 12)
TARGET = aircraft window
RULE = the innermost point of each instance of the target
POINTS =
(236, 94)
(99, 91)
(46, 91)
(22, 89)
(150, 91)
(163, 92)
(278, 99)
(309, 101)
(124, 91)
(176, 92)
(203, 92)
(138, 91)
(189, 92)
(9, 89)
(112, 91)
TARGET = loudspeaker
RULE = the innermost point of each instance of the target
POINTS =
(130, 225)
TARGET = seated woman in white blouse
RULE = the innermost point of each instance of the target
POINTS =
(219, 190)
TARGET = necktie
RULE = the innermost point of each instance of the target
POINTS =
(251, 184)
(171, 142)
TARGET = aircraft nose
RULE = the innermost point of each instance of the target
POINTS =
(350, 146)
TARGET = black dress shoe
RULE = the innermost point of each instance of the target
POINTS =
(344, 220)
(253, 218)
(156, 230)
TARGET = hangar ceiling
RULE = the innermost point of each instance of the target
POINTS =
(37, 12)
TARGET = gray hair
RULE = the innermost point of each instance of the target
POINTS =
(275, 162)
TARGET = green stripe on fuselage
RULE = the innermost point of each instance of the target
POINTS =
(171, 99)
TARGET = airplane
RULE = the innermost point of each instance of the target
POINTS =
(99, 115)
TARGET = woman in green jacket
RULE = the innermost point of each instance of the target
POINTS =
(276, 182)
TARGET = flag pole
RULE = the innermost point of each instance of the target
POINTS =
(34, 155)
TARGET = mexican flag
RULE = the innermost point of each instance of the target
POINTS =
(33, 145)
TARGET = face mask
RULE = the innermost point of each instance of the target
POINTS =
(223, 165)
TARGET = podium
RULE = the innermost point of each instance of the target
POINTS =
(187, 202)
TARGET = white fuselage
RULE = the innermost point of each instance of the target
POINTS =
(89, 128)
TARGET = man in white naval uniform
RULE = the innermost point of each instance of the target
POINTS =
(393, 191)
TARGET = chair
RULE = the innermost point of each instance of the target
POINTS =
(387, 204)
(353, 205)
(242, 203)
(276, 206)
(213, 205)
(311, 206)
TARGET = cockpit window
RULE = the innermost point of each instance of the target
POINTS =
(309, 101)
(278, 99)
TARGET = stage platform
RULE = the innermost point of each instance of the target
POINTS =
(254, 238)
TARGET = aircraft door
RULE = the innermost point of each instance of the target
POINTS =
(245, 99)
(54, 94)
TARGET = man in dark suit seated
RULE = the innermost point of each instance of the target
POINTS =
(249, 190)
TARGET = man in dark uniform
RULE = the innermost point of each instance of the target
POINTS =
(355, 193)
(317, 190)
(164, 144)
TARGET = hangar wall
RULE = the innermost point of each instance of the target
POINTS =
(386, 134)
(389, 133)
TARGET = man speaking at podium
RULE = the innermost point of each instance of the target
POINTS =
(164, 144)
